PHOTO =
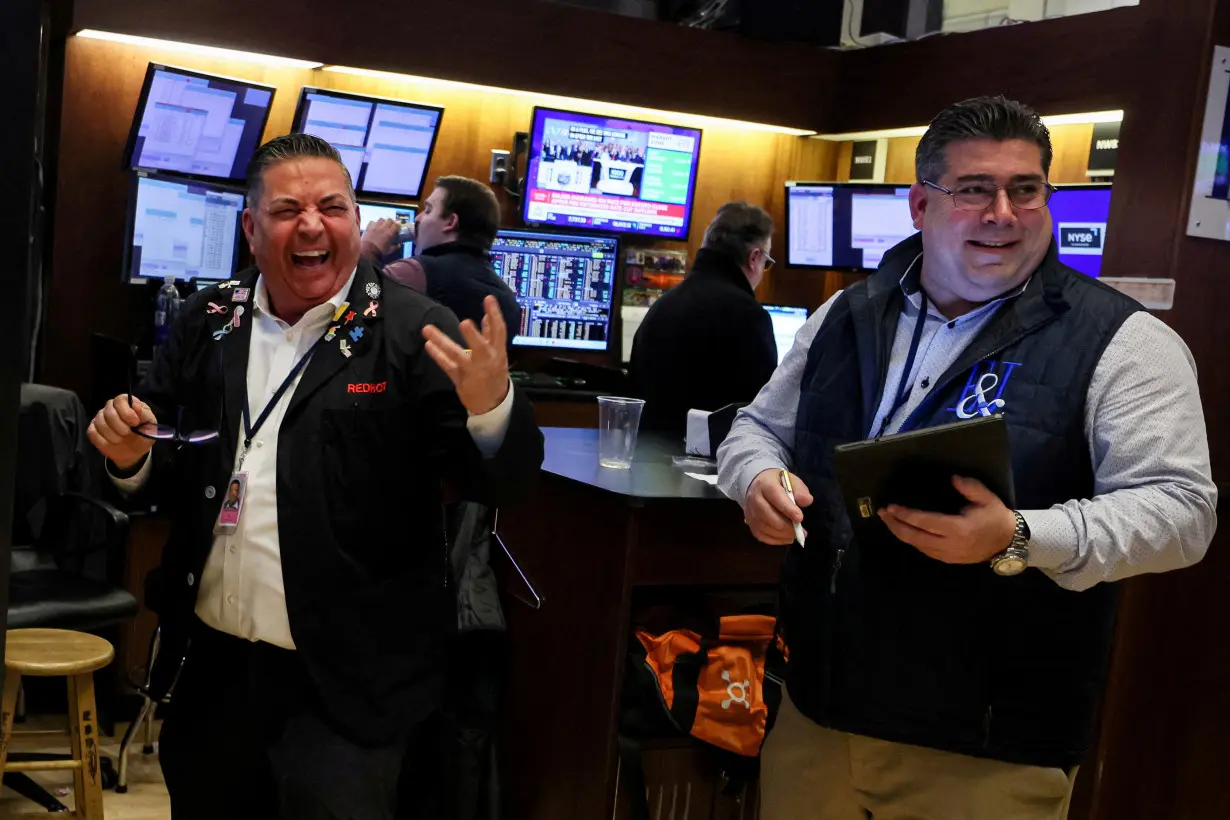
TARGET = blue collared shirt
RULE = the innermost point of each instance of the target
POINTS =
(1154, 498)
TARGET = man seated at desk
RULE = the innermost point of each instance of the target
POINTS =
(312, 627)
(708, 342)
(454, 231)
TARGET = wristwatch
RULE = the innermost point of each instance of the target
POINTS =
(1015, 558)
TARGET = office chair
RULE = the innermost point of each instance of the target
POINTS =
(59, 532)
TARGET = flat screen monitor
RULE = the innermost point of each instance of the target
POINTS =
(565, 284)
(787, 321)
(197, 124)
(181, 227)
(610, 174)
(385, 144)
(845, 226)
(369, 212)
(1079, 214)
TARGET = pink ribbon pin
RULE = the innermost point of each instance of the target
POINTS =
(214, 307)
(371, 309)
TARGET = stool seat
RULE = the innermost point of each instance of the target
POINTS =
(52, 652)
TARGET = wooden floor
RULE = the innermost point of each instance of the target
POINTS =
(147, 795)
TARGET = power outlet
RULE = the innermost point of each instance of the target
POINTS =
(499, 166)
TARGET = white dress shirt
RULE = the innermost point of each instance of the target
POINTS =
(241, 589)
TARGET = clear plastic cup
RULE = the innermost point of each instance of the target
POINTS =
(619, 420)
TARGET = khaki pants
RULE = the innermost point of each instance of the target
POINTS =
(808, 772)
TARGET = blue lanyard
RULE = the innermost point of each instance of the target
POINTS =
(250, 429)
(904, 387)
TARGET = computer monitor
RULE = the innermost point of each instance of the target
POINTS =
(565, 284)
(385, 144)
(787, 321)
(610, 174)
(844, 226)
(1079, 214)
(198, 124)
(369, 212)
(181, 227)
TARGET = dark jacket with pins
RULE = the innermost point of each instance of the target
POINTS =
(703, 345)
(365, 450)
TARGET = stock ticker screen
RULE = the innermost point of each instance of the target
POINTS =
(565, 284)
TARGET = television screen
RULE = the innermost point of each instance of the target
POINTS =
(181, 227)
(787, 321)
(846, 226)
(565, 284)
(198, 124)
(385, 144)
(1079, 214)
(369, 212)
(612, 174)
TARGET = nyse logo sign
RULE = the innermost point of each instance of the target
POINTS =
(1082, 238)
(864, 160)
(1106, 145)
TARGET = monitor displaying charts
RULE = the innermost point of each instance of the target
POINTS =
(197, 124)
(385, 144)
(845, 226)
(181, 227)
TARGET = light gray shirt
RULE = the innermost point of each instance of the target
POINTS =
(1154, 501)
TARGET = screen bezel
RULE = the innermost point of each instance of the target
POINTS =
(616, 288)
(134, 183)
(143, 101)
(691, 201)
(800, 184)
(301, 112)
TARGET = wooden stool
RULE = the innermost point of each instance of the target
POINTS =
(75, 656)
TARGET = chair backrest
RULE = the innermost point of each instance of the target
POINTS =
(53, 456)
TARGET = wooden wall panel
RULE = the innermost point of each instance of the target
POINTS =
(100, 95)
(527, 44)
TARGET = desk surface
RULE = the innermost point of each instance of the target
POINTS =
(572, 453)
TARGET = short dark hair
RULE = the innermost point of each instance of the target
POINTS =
(288, 147)
(737, 228)
(995, 118)
(477, 209)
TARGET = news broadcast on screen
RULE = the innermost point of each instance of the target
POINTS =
(619, 175)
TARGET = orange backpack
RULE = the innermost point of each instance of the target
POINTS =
(715, 690)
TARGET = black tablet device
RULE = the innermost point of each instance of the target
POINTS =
(915, 469)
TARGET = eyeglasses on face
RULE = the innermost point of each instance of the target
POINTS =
(978, 196)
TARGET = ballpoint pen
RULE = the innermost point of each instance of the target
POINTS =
(799, 535)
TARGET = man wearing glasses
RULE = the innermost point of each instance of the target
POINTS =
(956, 672)
(313, 613)
(708, 342)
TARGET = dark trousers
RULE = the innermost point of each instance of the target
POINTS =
(245, 737)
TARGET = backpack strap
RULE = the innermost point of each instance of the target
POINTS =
(685, 677)
(632, 777)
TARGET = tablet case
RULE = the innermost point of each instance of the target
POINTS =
(915, 469)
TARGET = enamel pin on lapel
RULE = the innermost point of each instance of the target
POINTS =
(225, 285)
(238, 313)
(340, 310)
(214, 307)
(373, 290)
(240, 294)
(332, 334)
(356, 334)
(345, 348)
(371, 309)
